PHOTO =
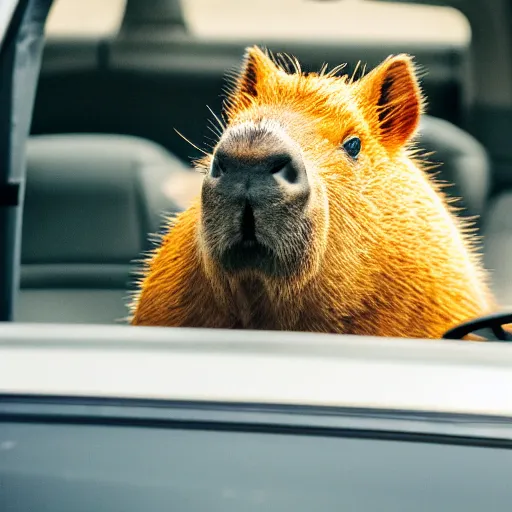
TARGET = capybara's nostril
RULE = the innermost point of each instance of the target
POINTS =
(279, 163)
(286, 169)
(216, 169)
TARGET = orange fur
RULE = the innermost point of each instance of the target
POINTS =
(388, 256)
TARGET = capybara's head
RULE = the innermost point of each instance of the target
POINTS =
(300, 158)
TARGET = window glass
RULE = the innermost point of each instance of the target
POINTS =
(343, 20)
(338, 20)
(85, 18)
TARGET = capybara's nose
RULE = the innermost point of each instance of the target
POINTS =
(280, 165)
(269, 168)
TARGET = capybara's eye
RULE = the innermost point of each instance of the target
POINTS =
(352, 146)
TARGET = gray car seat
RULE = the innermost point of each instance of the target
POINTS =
(498, 247)
(462, 162)
(91, 202)
(467, 164)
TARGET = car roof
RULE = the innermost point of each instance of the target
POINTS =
(256, 367)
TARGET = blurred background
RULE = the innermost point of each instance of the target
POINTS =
(120, 67)
(347, 20)
(118, 77)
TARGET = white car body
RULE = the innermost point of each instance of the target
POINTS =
(257, 367)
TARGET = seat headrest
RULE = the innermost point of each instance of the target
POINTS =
(464, 163)
(97, 198)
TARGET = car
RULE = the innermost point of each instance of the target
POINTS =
(102, 417)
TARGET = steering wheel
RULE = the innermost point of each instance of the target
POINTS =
(493, 322)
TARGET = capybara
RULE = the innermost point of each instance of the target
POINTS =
(316, 214)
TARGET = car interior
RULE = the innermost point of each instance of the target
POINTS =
(104, 163)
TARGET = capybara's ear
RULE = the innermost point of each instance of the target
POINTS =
(257, 68)
(391, 96)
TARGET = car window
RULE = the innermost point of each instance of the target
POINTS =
(341, 20)
(352, 20)
(89, 18)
